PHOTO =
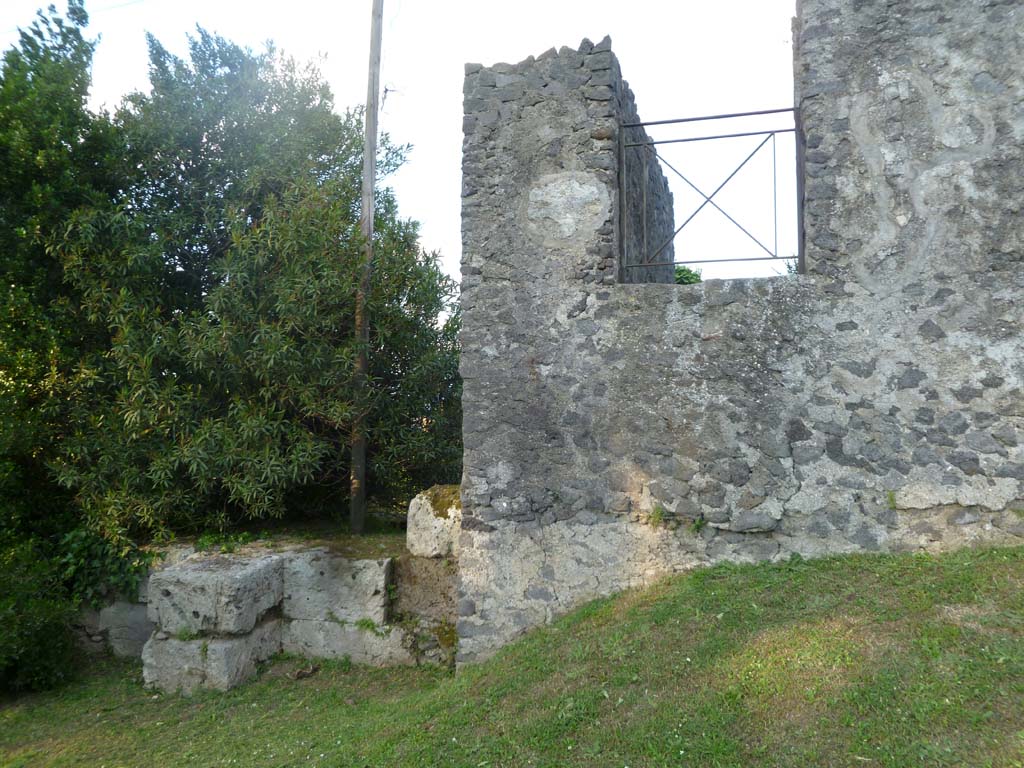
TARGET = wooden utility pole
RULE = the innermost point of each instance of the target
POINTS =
(357, 442)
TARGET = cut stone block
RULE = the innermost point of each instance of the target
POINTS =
(434, 522)
(169, 555)
(331, 640)
(221, 594)
(322, 586)
(127, 628)
(173, 665)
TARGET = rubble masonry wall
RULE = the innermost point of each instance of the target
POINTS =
(615, 431)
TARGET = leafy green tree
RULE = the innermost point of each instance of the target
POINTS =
(54, 157)
(226, 278)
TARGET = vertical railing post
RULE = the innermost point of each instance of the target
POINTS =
(643, 205)
(800, 169)
(622, 203)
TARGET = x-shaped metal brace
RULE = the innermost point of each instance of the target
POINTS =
(708, 199)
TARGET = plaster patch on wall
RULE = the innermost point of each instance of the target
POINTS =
(568, 205)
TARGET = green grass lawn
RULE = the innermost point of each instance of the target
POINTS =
(853, 661)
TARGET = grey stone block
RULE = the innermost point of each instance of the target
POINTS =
(322, 586)
(87, 632)
(127, 628)
(184, 666)
(432, 532)
(382, 646)
(749, 522)
(169, 555)
(964, 517)
(221, 594)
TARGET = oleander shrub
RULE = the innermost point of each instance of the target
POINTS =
(37, 648)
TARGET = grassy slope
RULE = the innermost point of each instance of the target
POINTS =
(855, 661)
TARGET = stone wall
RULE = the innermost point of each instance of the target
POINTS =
(645, 215)
(208, 619)
(616, 432)
(217, 616)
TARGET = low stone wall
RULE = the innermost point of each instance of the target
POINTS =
(218, 616)
(206, 620)
(121, 628)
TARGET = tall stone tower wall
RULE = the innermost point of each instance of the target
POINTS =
(615, 430)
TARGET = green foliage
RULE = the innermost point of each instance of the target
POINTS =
(54, 156)
(225, 543)
(36, 644)
(96, 568)
(687, 276)
(657, 517)
(176, 299)
(225, 277)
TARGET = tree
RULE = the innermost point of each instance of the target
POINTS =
(225, 276)
(54, 157)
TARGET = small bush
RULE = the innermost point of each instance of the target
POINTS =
(96, 569)
(687, 276)
(37, 648)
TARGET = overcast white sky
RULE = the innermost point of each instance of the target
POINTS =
(682, 58)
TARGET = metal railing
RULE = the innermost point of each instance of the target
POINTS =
(768, 144)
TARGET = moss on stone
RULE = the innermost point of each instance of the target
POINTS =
(442, 498)
(446, 636)
(369, 625)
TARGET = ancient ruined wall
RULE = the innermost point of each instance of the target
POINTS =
(645, 213)
(614, 432)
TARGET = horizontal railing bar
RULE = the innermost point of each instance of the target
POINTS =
(707, 138)
(709, 117)
(708, 261)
